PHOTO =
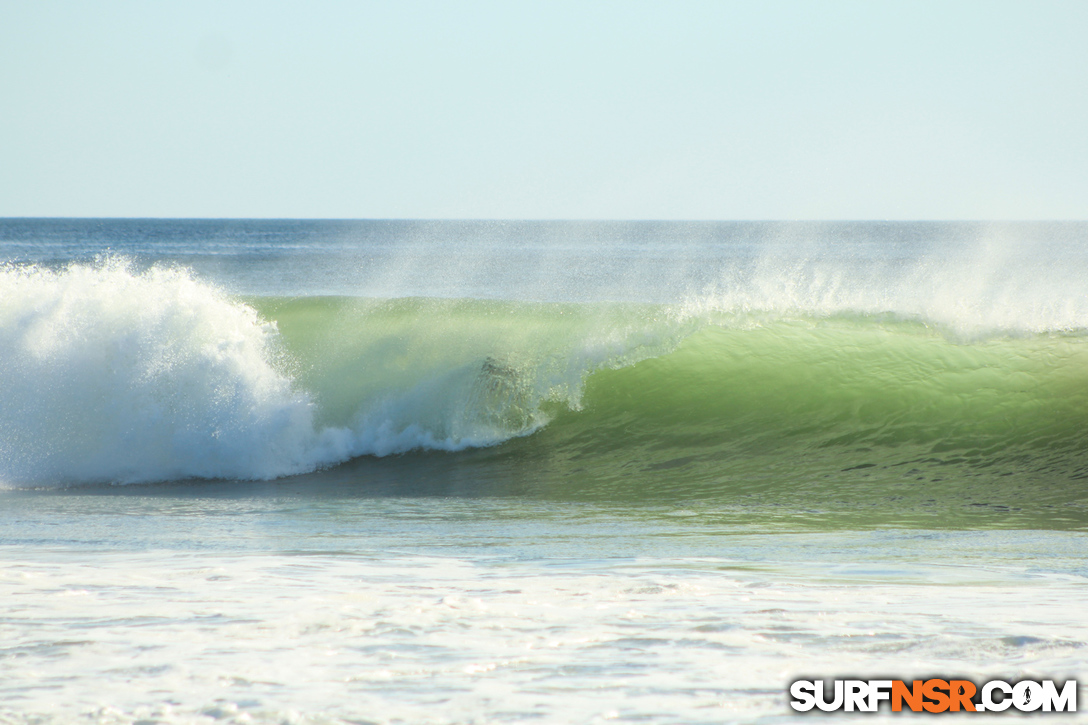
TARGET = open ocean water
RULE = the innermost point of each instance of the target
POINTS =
(555, 472)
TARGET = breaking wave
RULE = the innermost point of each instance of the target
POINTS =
(116, 375)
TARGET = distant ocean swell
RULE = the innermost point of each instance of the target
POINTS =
(114, 375)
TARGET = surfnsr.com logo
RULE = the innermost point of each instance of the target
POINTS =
(934, 695)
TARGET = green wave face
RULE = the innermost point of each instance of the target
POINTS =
(637, 402)
(842, 413)
(459, 358)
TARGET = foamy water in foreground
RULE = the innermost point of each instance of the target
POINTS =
(287, 609)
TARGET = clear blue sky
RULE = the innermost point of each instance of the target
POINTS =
(667, 110)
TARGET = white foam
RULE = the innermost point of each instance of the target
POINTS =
(113, 375)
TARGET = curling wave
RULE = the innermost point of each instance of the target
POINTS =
(113, 375)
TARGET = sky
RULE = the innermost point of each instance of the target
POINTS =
(545, 110)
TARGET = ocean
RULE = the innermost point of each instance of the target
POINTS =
(297, 471)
